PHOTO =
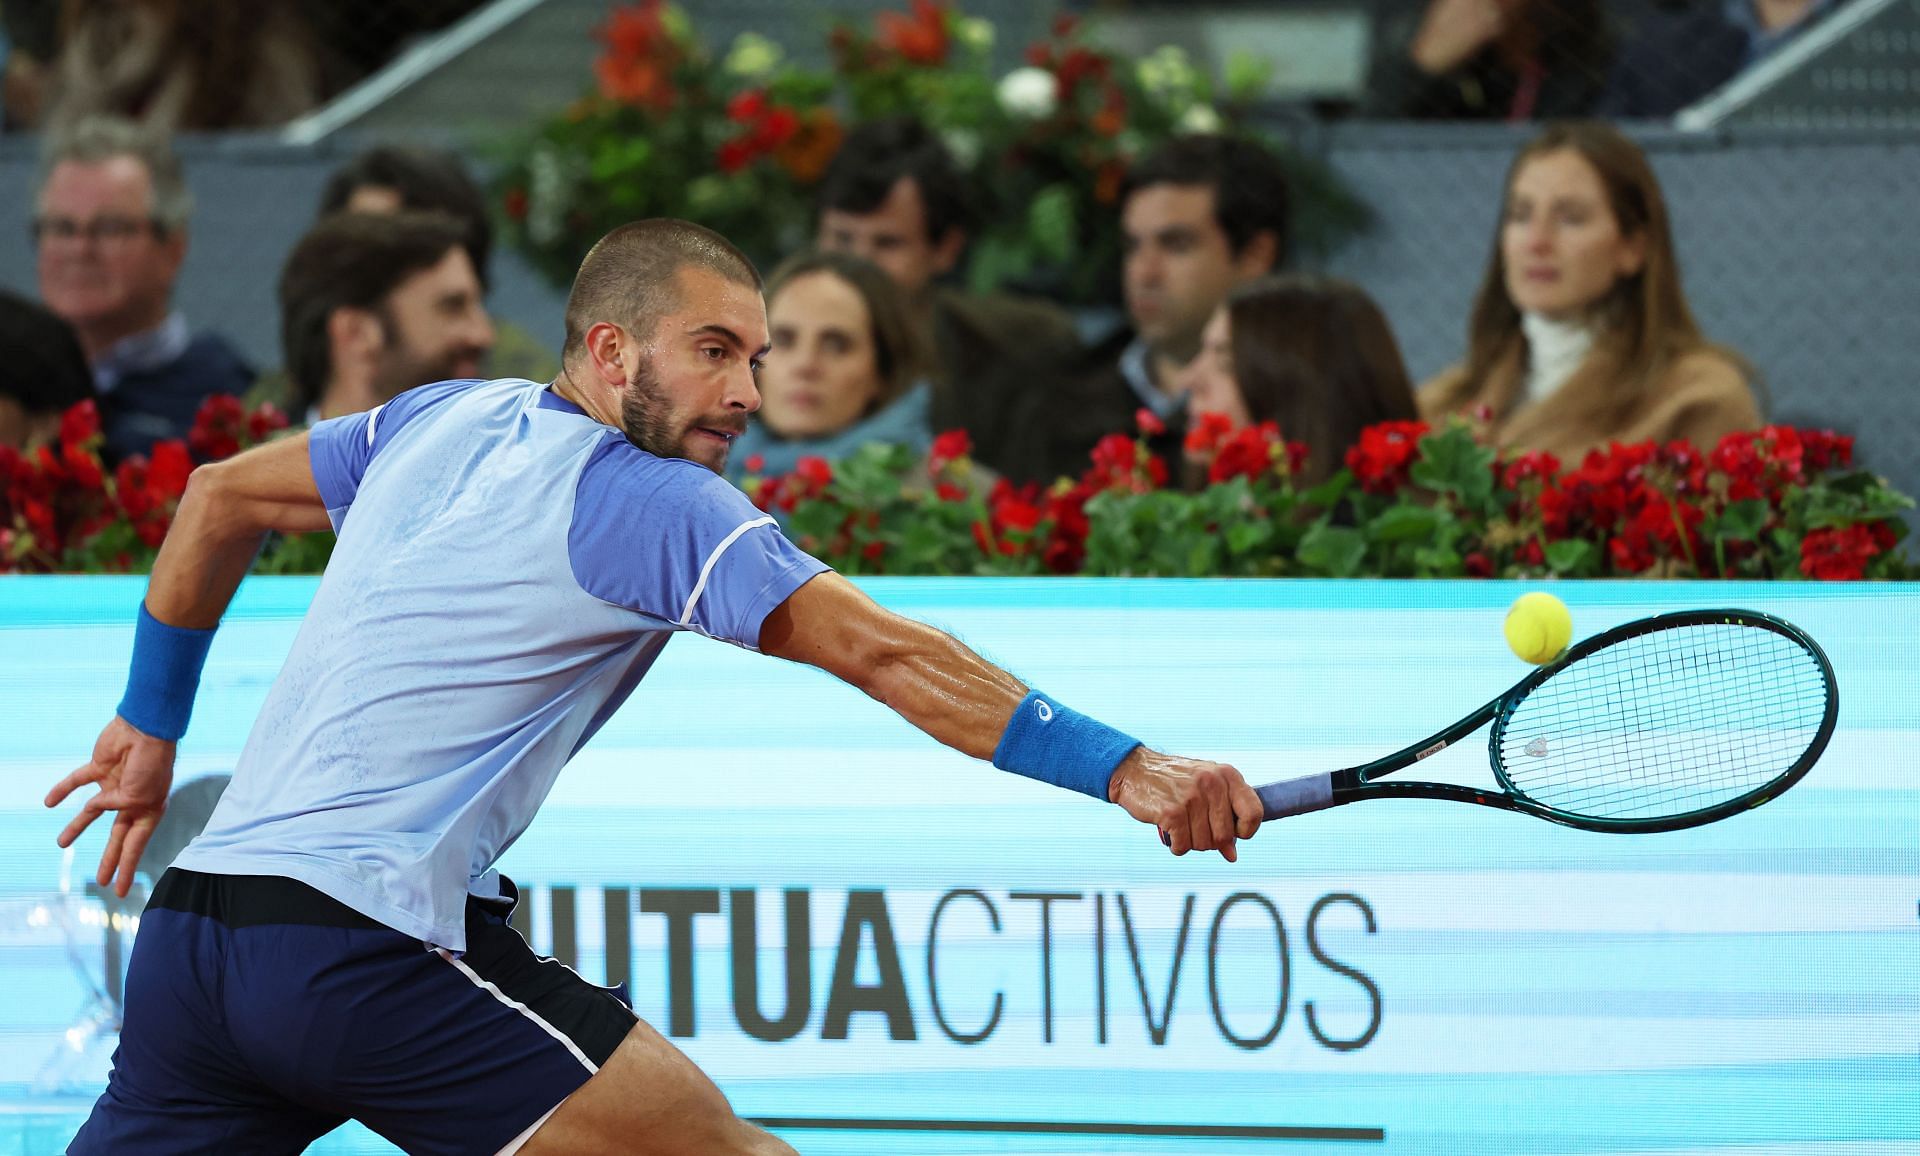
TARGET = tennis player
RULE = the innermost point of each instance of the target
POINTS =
(511, 559)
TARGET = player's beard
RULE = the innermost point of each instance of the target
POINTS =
(647, 417)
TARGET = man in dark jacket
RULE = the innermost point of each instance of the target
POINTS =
(895, 196)
(111, 233)
(1200, 216)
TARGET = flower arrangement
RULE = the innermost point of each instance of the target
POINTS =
(739, 143)
(62, 509)
(1412, 501)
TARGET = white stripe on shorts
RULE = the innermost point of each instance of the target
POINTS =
(488, 987)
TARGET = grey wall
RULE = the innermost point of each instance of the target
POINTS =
(1799, 251)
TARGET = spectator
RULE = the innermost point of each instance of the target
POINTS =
(372, 305)
(1493, 60)
(42, 372)
(846, 367)
(388, 178)
(29, 30)
(1678, 56)
(1199, 215)
(179, 66)
(1314, 356)
(1581, 334)
(111, 233)
(895, 196)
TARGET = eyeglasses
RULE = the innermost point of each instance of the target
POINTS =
(100, 230)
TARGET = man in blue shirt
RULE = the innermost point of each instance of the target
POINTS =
(512, 557)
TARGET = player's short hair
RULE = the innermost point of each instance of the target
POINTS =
(1249, 184)
(424, 178)
(630, 276)
(94, 139)
(900, 354)
(350, 261)
(877, 154)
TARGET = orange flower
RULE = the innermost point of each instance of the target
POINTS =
(637, 66)
(920, 38)
(807, 153)
(1107, 181)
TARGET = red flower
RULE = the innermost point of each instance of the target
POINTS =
(948, 448)
(171, 465)
(775, 129)
(1537, 465)
(1477, 565)
(755, 463)
(81, 467)
(1115, 455)
(733, 155)
(514, 203)
(1148, 422)
(874, 551)
(1249, 453)
(1529, 553)
(1826, 450)
(1384, 455)
(748, 106)
(1838, 555)
(1206, 435)
(81, 423)
(948, 492)
(265, 421)
(815, 471)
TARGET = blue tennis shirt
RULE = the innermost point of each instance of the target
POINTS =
(507, 570)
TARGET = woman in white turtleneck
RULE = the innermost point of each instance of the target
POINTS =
(1581, 335)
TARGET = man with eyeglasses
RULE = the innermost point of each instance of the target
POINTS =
(111, 232)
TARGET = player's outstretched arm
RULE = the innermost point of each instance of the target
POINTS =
(228, 509)
(939, 685)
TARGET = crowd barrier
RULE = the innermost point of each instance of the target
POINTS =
(876, 944)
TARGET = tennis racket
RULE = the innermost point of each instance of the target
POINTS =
(1656, 725)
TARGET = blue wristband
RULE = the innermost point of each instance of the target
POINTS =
(164, 677)
(1049, 742)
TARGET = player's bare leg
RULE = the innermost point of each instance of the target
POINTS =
(649, 1098)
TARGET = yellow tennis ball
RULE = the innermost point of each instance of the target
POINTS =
(1538, 627)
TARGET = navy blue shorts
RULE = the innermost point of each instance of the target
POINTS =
(261, 1014)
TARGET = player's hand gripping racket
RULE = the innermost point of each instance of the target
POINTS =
(1664, 723)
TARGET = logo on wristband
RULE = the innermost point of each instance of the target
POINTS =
(1042, 708)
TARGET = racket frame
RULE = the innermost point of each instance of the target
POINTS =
(1361, 782)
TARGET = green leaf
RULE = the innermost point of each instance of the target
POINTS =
(1570, 555)
(1740, 521)
(1406, 523)
(1451, 462)
(1333, 550)
(1053, 223)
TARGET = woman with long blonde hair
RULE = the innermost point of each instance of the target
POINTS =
(1581, 334)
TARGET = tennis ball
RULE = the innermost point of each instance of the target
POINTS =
(1538, 627)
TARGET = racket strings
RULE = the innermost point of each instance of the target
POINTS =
(1666, 723)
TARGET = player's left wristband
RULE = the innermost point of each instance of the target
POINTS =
(1054, 744)
(164, 676)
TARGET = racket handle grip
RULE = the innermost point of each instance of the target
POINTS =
(1296, 796)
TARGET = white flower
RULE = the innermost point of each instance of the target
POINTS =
(963, 144)
(1200, 119)
(1029, 92)
(752, 55)
(976, 34)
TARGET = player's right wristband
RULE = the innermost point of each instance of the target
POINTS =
(165, 674)
(1049, 742)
